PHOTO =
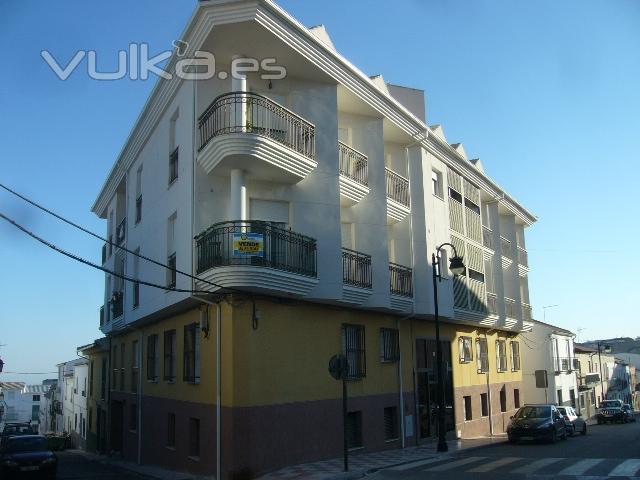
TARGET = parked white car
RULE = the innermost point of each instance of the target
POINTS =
(575, 422)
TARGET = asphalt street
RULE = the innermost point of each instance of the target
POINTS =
(73, 465)
(606, 451)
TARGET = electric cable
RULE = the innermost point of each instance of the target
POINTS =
(99, 267)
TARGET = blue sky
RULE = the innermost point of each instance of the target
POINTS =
(545, 93)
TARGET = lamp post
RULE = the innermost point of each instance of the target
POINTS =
(456, 266)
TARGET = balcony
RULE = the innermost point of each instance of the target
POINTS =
(121, 231)
(401, 280)
(526, 312)
(257, 256)
(492, 304)
(398, 205)
(563, 364)
(241, 127)
(354, 173)
(510, 308)
(356, 276)
(102, 315)
(523, 257)
(505, 248)
(117, 304)
(104, 253)
(487, 237)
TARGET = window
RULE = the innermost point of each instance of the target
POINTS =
(503, 399)
(354, 350)
(389, 345)
(468, 413)
(466, 349)
(191, 370)
(171, 430)
(170, 355)
(483, 355)
(194, 437)
(35, 412)
(103, 379)
(471, 206)
(436, 182)
(91, 378)
(152, 358)
(171, 251)
(572, 397)
(559, 397)
(455, 195)
(354, 429)
(36, 398)
(516, 397)
(135, 365)
(122, 367)
(114, 358)
(484, 404)
(173, 148)
(501, 354)
(139, 194)
(136, 275)
(390, 423)
(475, 275)
(515, 356)
(173, 166)
(133, 417)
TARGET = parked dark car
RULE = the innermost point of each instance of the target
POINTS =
(629, 412)
(575, 422)
(610, 411)
(26, 454)
(15, 429)
(537, 422)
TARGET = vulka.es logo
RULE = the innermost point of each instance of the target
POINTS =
(136, 64)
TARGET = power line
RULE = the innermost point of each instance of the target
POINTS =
(93, 234)
(99, 267)
(30, 373)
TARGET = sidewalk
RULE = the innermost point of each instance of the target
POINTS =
(361, 464)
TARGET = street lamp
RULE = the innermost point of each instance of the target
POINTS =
(456, 266)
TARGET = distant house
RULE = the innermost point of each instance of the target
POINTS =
(21, 402)
(72, 391)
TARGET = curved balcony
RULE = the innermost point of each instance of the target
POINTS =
(354, 173)
(257, 256)
(239, 128)
(356, 276)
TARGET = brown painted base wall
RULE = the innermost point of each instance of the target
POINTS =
(479, 425)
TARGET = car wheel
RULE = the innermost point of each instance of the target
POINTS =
(584, 429)
(573, 430)
(564, 434)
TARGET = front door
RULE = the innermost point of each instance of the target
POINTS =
(427, 385)
(117, 428)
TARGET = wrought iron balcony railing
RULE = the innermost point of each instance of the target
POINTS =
(117, 304)
(401, 279)
(257, 243)
(492, 303)
(510, 308)
(353, 164)
(121, 231)
(246, 112)
(356, 268)
(397, 187)
(487, 237)
(523, 257)
(505, 247)
(564, 364)
(526, 312)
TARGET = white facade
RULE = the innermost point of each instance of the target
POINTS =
(21, 402)
(551, 349)
(356, 189)
(72, 392)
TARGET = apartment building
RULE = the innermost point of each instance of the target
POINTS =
(593, 380)
(307, 209)
(97, 354)
(550, 350)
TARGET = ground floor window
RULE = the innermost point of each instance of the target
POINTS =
(503, 399)
(484, 404)
(559, 397)
(194, 437)
(171, 430)
(133, 417)
(516, 398)
(354, 429)
(391, 423)
(468, 414)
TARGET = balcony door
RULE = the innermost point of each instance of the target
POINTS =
(276, 215)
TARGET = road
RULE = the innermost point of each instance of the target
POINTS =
(606, 451)
(74, 465)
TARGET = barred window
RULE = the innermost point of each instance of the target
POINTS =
(515, 356)
(389, 345)
(191, 370)
(354, 350)
(170, 355)
(152, 358)
(466, 349)
(391, 423)
(354, 429)
(483, 355)
(501, 355)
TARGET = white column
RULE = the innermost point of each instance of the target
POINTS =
(238, 198)
(239, 84)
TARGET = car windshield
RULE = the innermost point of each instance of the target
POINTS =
(610, 405)
(534, 412)
(26, 444)
(20, 429)
(562, 410)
